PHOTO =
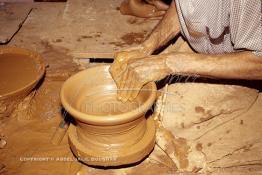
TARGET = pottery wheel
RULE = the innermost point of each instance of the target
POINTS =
(125, 155)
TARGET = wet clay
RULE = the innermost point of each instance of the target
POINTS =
(16, 72)
(108, 132)
(20, 71)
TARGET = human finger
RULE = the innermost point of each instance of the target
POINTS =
(136, 89)
(121, 89)
(130, 85)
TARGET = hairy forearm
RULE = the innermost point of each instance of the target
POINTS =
(242, 65)
(166, 30)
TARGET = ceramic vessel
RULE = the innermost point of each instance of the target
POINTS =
(107, 132)
(12, 96)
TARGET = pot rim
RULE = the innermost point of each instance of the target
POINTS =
(31, 54)
(107, 119)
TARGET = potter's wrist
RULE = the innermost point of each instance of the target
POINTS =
(166, 66)
(150, 44)
(178, 63)
(147, 49)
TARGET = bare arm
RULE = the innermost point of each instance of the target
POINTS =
(166, 30)
(241, 65)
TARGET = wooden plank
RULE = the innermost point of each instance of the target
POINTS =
(86, 28)
(12, 16)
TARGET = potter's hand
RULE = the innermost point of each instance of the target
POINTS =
(119, 65)
(138, 73)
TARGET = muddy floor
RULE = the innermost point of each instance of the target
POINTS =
(28, 149)
(230, 140)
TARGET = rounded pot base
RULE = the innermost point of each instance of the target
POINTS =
(122, 156)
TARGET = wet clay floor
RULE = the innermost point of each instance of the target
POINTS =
(29, 152)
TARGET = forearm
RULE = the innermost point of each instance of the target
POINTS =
(166, 30)
(242, 65)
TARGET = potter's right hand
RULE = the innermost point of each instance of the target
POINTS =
(121, 59)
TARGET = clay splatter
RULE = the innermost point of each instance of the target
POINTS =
(199, 147)
(133, 38)
(199, 109)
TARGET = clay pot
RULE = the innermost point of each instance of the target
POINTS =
(13, 88)
(107, 132)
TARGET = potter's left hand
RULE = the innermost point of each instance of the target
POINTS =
(139, 72)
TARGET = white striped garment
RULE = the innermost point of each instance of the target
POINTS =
(221, 26)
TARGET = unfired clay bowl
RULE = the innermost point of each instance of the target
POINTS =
(108, 132)
(20, 71)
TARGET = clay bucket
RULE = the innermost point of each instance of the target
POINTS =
(14, 88)
(107, 132)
